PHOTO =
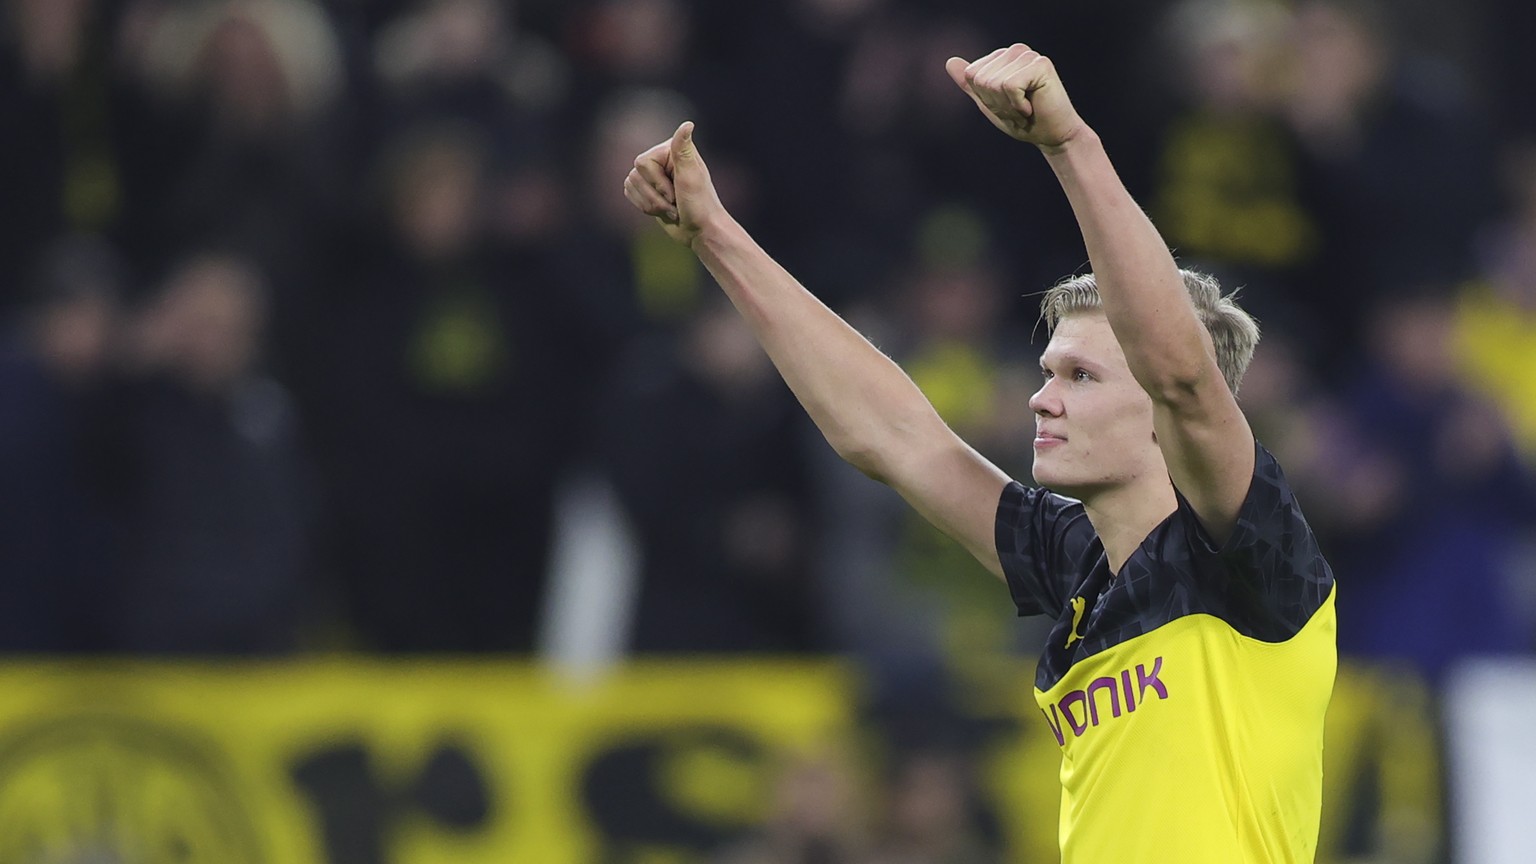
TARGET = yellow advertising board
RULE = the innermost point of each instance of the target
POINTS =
(472, 762)
(402, 762)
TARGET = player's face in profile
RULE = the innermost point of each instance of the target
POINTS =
(1093, 422)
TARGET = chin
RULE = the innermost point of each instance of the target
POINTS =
(1049, 476)
(1054, 477)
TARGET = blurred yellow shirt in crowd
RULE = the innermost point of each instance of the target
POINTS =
(1496, 348)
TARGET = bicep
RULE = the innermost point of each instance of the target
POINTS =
(957, 490)
(1209, 449)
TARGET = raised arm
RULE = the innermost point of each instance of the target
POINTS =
(868, 409)
(1204, 436)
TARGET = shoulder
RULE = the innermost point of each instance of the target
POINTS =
(1270, 501)
(1269, 575)
(1045, 544)
(1037, 513)
(1268, 497)
(1020, 501)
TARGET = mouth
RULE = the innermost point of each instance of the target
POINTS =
(1046, 439)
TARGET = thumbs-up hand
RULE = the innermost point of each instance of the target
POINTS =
(1018, 90)
(671, 182)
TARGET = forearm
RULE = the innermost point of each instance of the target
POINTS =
(866, 406)
(1138, 280)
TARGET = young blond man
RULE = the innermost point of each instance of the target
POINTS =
(1192, 658)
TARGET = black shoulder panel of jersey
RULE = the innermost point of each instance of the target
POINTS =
(1265, 581)
(1046, 544)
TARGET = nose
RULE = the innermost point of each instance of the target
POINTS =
(1045, 401)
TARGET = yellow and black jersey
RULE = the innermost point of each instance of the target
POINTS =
(1188, 691)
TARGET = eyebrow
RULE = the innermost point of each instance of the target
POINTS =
(1070, 359)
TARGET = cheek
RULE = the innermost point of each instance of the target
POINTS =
(1128, 426)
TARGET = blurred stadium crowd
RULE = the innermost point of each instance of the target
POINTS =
(313, 308)
(316, 311)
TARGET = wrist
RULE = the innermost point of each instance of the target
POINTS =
(1081, 138)
(714, 231)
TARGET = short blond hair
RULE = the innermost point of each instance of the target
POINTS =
(1233, 332)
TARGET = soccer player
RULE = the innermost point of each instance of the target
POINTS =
(1192, 658)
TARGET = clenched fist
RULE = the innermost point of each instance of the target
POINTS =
(671, 182)
(1018, 90)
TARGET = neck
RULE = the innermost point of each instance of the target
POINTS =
(1124, 515)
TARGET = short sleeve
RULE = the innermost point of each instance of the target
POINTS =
(1046, 545)
(1270, 570)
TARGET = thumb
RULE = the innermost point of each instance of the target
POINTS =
(683, 151)
(955, 66)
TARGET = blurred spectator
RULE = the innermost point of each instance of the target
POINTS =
(1304, 422)
(629, 276)
(815, 818)
(857, 195)
(448, 407)
(1227, 191)
(630, 43)
(779, 109)
(209, 486)
(1397, 168)
(54, 533)
(61, 170)
(235, 146)
(1512, 65)
(467, 60)
(931, 817)
(700, 439)
(1496, 317)
(1431, 550)
(900, 595)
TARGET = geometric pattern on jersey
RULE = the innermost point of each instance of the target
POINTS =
(1265, 581)
(1187, 694)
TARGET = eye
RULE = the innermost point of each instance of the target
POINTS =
(1081, 375)
(1046, 373)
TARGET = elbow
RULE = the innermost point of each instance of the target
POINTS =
(887, 452)
(1176, 371)
(1173, 392)
(869, 460)
(1177, 384)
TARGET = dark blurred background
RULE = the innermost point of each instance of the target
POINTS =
(328, 332)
